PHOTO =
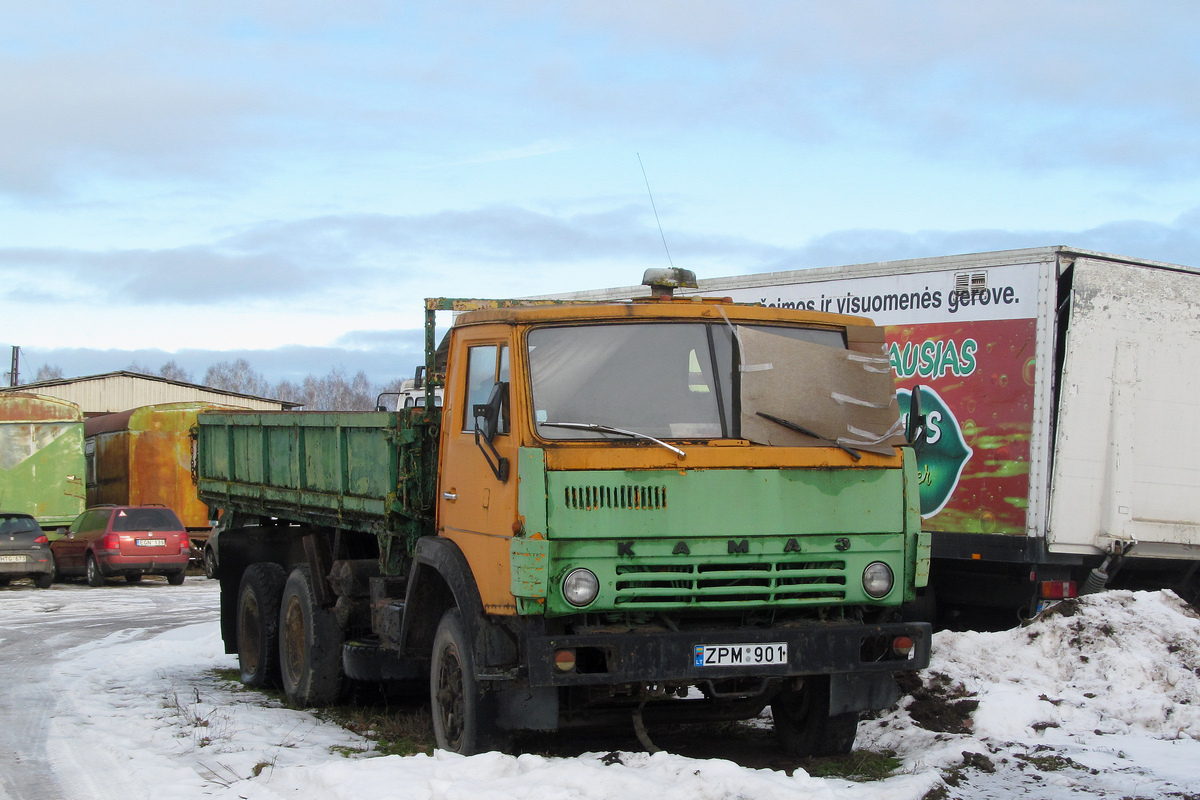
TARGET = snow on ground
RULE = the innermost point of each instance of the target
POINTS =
(1098, 697)
(1099, 700)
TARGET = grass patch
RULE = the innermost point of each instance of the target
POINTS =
(861, 765)
(395, 732)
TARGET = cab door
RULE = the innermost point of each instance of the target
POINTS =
(477, 501)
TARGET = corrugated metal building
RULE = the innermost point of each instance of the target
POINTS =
(114, 392)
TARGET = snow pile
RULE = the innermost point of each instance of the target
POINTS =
(1111, 682)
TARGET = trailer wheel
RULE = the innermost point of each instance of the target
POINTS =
(258, 624)
(462, 720)
(310, 644)
(804, 725)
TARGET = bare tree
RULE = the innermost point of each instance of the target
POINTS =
(172, 371)
(237, 376)
(48, 372)
(139, 369)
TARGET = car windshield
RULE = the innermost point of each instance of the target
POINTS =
(18, 525)
(657, 379)
(146, 519)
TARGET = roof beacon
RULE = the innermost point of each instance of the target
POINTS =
(664, 282)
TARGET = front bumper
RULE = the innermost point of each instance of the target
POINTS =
(660, 656)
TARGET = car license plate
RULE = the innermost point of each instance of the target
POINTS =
(730, 655)
(151, 542)
(12, 559)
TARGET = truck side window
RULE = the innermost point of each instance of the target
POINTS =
(486, 364)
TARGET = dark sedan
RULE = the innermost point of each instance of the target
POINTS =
(24, 550)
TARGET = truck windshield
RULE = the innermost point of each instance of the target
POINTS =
(664, 380)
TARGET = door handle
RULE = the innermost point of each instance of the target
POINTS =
(449, 495)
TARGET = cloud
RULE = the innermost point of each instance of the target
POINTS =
(350, 256)
(234, 93)
(1176, 243)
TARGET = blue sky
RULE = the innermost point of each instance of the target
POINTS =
(284, 181)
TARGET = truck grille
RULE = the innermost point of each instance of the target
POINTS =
(785, 582)
(631, 497)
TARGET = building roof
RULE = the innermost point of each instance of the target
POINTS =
(112, 392)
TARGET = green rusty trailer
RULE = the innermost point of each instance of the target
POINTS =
(41, 457)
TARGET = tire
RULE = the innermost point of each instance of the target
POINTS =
(210, 564)
(95, 577)
(133, 577)
(463, 719)
(804, 725)
(176, 578)
(310, 645)
(258, 624)
(4, 579)
(46, 579)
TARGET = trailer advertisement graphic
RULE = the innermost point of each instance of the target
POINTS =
(967, 337)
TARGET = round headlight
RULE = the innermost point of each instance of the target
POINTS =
(580, 587)
(877, 579)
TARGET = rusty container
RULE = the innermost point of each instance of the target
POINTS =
(144, 456)
(41, 457)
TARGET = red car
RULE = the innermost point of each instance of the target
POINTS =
(106, 541)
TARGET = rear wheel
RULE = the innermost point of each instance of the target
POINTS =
(133, 577)
(210, 563)
(804, 725)
(258, 624)
(94, 576)
(176, 578)
(462, 721)
(310, 644)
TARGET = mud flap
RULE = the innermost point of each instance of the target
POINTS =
(863, 691)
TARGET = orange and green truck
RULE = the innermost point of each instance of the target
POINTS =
(624, 512)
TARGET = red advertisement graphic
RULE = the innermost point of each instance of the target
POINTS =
(983, 373)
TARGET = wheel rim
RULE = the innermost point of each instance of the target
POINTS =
(251, 631)
(293, 640)
(450, 699)
(92, 571)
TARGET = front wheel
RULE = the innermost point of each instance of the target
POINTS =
(310, 644)
(804, 725)
(210, 564)
(176, 578)
(462, 722)
(133, 577)
(94, 576)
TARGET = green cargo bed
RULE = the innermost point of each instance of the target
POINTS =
(326, 468)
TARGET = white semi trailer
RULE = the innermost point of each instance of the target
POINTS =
(1062, 391)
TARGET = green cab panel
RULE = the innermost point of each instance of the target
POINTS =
(711, 539)
(723, 502)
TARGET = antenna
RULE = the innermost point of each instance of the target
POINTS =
(656, 219)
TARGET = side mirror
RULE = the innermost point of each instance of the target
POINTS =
(914, 428)
(487, 425)
(419, 378)
(487, 415)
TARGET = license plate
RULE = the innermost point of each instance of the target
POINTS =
(732, 655)
(151, 542)
(12, 559)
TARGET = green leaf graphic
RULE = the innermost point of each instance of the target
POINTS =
(941, 459)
